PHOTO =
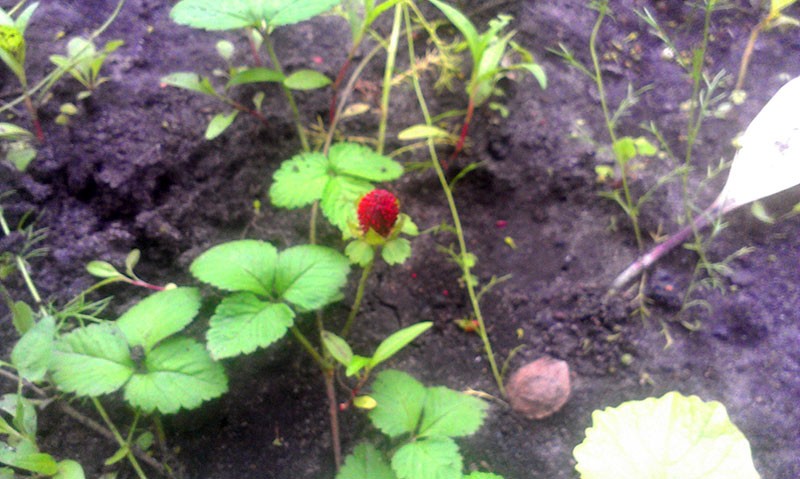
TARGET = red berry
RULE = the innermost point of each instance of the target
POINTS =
(378, 210)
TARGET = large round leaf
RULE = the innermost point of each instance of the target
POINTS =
(311, 276)
(245, 265)
(159, 316)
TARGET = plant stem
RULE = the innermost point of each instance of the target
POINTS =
(333, 412)
(463, 252)
(303, 340)
(118, 437)
(464, 128)
(388, 73)
(23, 269)
(312, 226)
(748, 52)
(362, 283)
(288, 92)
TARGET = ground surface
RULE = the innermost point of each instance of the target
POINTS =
(132, 171)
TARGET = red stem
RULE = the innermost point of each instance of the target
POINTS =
(337, 83)
(37, 126)
(464, 129)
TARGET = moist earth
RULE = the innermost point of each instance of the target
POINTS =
(132, 170)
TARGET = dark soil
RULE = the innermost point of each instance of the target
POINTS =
(133, 171)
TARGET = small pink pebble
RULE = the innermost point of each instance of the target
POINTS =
(317, 59)
(501, 223)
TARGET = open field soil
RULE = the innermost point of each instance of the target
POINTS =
(132, 170)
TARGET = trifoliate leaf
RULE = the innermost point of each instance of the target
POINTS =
(397, 341)
(159, 316)
(451, 413)
(360, 252)
(242, 323)
(32, 353)
(310, 276)
(366, 462)
(400, 400)
(363, 162)
(180, 374)
(432, 458)
(339, 201)
(299, 181)
(306, 80)
(672, 436)
(92, 361)
(396, 251)
(245, 265)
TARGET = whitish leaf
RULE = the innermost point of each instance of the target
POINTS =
(242, 323)
(451, 413)
(672, 436)
(92, 361)
(366, 462)
(299, 181)
(102, 269)
(180, 374)
(396, 251)
(5, 19)
(219, 124)
(158, 316)
(397, 341)
(245, 265)
(464, 26)
(32, 354)
(225, 49)
(306, 80)
(432, 458)
(337, 347)
(21, 23)
(360, 252)
(362, 162)
(423, 132)
(25, 455)
(400, 400)
(69, 469)
(339, 201)
(310, 276)
(256, 75)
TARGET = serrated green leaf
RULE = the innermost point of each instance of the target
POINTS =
(102, 269)
(32, 354)
(299, 181)
(22, 317)
(408, 227)
(306, 80)
(672, 436)
(25, 455)
(396, 251)
(339, 201)
(180, 374)
(624, 150)
(158, 316)
(234, 14)
(255, 75)
(219, 123)
(432, 458)
(451, 413)
(242, 323)
(644, 147)
(400, 400)
(245, 265)
(362, 162)
(366, 462)
(310, 276)
(69, 469)
(188, 81)
(92, 361)
(360, 252)
(337, 347)
(397, 341)
(483, 475)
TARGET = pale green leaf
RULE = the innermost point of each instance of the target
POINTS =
(400, 400)
(22, 410)
(92, 361)
(424, 132)
(357, 364)
(5, 19)
(25, 455)
(624, 149)
(219, 123)
(10, 132)
(102, 269)
(5, 472)
(396, 251)
(242, 323)
(306, 80)
(244, 265)
(644, 147)
(366, 462)
(255, 75)
(188, 81)
(20, 154)
(69, 469)
(397, 341)
(758, 210)
(464, 26)
(672, 436)
(21, 23)
(22, 317)
(158, 316)
(179, 374)
(310, 276)
(537, 71)
(225, 49)
(299, 181)
(360, 252)
(432, 458)
(339, 201)
(32, 354)
(337, 347)
(483, 475)
(234, 14)
(362, 162)
(451, 413)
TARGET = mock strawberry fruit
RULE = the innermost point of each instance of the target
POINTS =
(378, 210)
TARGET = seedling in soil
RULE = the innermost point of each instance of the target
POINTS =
(421, 423)
(490, 61)
(84, 62)
(13, 48)
(670, 436)
(766, 163)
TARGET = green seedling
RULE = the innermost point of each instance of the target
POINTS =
(765, 164)
(17, 145)
(13, 48)
(490, 61)
(84, 62)
(109, 274)
(421, 423)
(672, 436)
(260, 18)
